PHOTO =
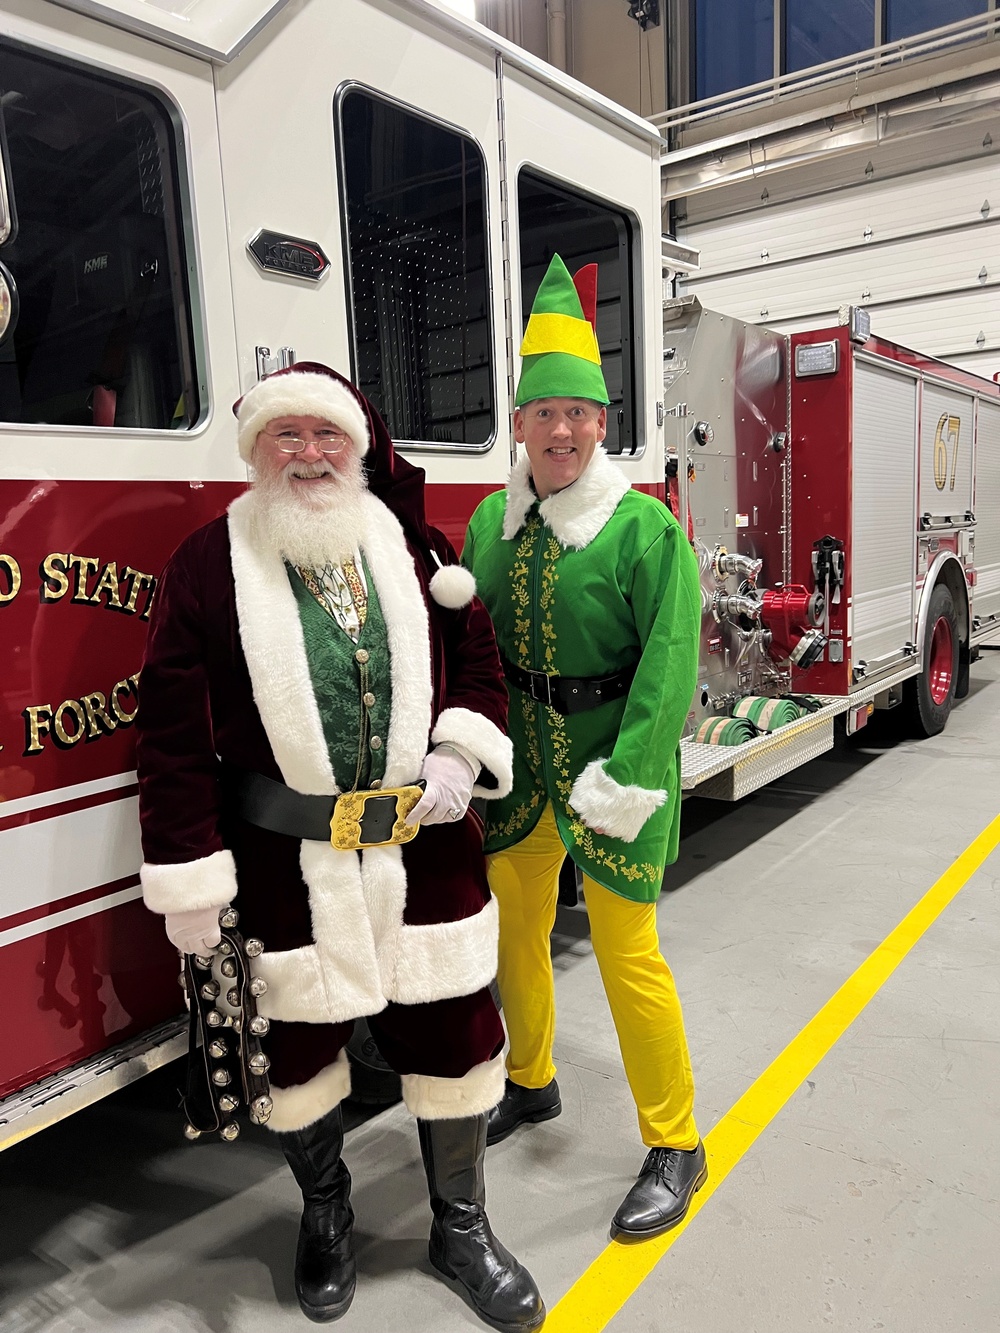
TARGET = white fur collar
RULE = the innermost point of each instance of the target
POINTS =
(271, 634)
(575, 515)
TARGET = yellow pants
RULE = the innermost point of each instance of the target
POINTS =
(637, 982)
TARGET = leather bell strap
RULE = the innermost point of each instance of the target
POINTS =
(569, 694)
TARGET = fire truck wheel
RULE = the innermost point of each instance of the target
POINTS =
(931, 694)
(373, 1081)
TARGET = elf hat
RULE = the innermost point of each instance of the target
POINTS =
(561, 356)
(306, 389)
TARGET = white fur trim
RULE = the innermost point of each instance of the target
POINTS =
(304, 394)
(304, 1103)
(430, 1098)
(576, 514)
(208, 882)
(442, 961)
(606, 804)
(477, 734)
(453, 586)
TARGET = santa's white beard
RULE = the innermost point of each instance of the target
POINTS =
(311, 527)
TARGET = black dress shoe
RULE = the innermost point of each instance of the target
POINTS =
(661, 1196)
(522, 1106)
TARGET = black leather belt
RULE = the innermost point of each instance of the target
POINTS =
(569, 694)
(271, 805)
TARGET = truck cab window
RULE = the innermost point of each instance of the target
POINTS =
(554, 219)
(415, 205)
(103, 334)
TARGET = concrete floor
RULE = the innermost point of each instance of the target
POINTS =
(871, 1202)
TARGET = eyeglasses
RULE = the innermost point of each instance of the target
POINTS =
(327, 440)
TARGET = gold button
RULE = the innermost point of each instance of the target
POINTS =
(368, 699)
(376, 784)
(361, 655)
(376, 742)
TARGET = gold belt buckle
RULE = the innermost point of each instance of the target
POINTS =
(373, 818)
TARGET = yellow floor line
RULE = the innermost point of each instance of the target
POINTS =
(596, 1297)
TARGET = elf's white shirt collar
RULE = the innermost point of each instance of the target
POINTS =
(575, 515)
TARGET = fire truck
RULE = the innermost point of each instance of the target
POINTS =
(193, 195)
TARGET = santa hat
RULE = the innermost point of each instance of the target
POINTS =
(560, 351)
(311, 389)
(306, 389)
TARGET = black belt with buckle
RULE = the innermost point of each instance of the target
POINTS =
(569, 694)
(375, 818)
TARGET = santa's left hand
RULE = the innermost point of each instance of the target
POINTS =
(446, 797)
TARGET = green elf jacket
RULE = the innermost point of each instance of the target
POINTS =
(594, 579)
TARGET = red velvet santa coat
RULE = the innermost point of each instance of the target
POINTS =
(226, 681)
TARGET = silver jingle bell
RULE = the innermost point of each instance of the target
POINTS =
(233, 997)
(217, 1049)
(228, 968)
(259, 1026)
(259, 1063)
(190, 1133)
(203, 960)
(220, 1077)
(228, 918)
(224, 947)
(210, 990)
(258, 986)
(182, 981)
(254, 948)
(228, 1103)
(230, 1131)
(214, 1019)
(260, 1110)
(237, 1024)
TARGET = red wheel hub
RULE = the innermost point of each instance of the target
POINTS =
(939, 668)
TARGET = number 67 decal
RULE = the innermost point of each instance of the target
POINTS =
(946, 433)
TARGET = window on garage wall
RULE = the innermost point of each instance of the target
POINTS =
(416, 239)
(904, 18)
(553, 218)
(96, 255)
(815, 33)
(733, 45)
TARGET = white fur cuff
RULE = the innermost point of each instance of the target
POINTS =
(477, 734)
(430, 1098)
(304, 1103)
(208, 882)
(604, 804)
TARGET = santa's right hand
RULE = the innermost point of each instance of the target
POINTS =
(196, 931)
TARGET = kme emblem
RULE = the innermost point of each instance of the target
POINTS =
(289, 254)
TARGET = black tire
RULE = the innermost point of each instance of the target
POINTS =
(930, 696)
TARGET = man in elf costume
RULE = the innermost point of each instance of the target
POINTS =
(595, 599)
(320, 639)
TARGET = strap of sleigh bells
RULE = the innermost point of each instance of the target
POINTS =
(227, 1069)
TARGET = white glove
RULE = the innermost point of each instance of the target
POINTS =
(195, 932)
(450, 779)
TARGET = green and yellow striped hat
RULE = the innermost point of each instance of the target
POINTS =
(561, 356)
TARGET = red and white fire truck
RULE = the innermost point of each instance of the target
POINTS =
(192, 194)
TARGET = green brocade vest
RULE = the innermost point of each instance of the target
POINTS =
(351, 682)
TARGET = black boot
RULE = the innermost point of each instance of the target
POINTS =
(522, 1106)
(325, 1272)
(463, 1247)
(661, 1197)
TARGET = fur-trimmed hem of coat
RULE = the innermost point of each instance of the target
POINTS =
(428, 1097)
(603, 803)
(304, 1103)
(210, 881)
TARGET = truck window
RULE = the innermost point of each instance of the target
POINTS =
(102, 334)
(555, 219)
(415, 212)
